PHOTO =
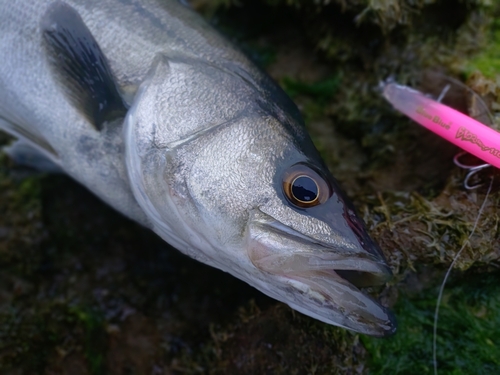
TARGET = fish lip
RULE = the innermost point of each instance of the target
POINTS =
(322, 291)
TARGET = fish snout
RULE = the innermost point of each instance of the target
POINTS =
(321, 280)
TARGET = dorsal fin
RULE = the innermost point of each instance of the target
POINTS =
(81, 66)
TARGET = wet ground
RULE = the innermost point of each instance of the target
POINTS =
(85, 291)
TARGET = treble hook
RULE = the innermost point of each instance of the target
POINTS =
(473, 170)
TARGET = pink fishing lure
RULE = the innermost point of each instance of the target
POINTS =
(462, 130)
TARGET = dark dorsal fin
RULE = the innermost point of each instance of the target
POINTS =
(81, 66)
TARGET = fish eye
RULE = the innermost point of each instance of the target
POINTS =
(305, 187)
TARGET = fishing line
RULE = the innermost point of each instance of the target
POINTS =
(441, 289)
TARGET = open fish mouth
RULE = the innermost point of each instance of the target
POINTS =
(322, 280)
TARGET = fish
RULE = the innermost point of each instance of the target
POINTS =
(165, 120)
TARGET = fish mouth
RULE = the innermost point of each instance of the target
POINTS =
(322, 280)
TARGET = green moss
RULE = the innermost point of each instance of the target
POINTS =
(313, 97)
(321, 91)
(20, 221)
(420, 230)
(468, 331)
(487, 63)
(209, 7)
(488, 60)
(95, 341)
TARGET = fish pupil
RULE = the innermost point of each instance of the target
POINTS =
(305, 189)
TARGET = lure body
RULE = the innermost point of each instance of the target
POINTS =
(450, 124)
(162, 118)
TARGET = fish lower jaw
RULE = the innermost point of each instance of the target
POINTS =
(335, 301)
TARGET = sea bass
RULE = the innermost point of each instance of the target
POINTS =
(165, 120)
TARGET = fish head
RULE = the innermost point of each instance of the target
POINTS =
(311, 242)
(250, 195)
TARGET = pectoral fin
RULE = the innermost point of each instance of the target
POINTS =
(81, 66)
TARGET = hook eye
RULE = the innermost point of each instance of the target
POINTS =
(463, 165)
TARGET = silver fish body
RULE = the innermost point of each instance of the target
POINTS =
(152, 110)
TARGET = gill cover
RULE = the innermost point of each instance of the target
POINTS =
(179, 102)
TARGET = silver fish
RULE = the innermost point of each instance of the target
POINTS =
(161, 117)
